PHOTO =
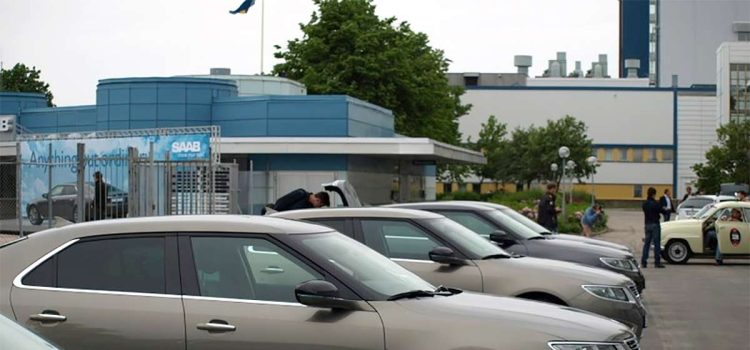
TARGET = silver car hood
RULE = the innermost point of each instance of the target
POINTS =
(503, 317)
(555, 269)
(592, 241)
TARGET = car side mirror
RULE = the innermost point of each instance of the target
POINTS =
(45, 195)
(445, 255)
(323, 294)
(502, 238)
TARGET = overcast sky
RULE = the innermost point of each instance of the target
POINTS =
(77, 42)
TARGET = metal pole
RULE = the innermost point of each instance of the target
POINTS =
(49, 187)
(562, 185)
(150, 179)
(80, 181)
(251, 190)
(262, 32)
(593, 190)
(19, 193)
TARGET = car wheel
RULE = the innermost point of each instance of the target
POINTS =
(677, 252)
(34, 217)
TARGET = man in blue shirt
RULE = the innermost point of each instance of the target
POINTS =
(652, 210)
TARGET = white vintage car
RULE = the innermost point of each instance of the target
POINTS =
(692, 205)
(681, 240)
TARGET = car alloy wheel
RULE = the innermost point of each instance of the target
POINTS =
(34, 217)
(678, 252)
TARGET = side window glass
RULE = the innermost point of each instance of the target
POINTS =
(247, 268)
(471, 221)
(122, 264)
(43, 275)
(746, 214)
(69, 190)
(56, 191)
(398, 239)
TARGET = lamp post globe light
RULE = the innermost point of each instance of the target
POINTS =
(593, 162)
(571, 165)
(564, 153)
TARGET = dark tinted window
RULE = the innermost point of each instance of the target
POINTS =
(43, 275)
(123, 264)
(471, 221)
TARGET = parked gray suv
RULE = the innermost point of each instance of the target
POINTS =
(443, 252)
(233, 282)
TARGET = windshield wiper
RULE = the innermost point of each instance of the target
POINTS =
(412, 294)
(496, 256)
(537, 237)
(443, 290)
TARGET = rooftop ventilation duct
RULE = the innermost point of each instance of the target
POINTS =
(220, 71)
(523, 62)
(632, 65)
(562, 60)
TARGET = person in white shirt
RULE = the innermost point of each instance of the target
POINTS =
(667, 206)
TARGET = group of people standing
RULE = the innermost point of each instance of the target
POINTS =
(547, 212)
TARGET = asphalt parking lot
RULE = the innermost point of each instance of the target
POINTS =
(693, 306)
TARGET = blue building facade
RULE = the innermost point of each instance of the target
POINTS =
(634, 35)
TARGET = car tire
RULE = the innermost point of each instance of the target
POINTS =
(677, 252)
(34, 216)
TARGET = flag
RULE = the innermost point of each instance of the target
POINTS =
(243, 7)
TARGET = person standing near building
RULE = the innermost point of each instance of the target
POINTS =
(100, 197)
(688, 193)
(547, 211)
(652, 210)
(666, 203)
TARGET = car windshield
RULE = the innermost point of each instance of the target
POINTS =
(467, 240)
(694, 203)
(523, 219)
(705, 212)
(514, 226)
(381, 276)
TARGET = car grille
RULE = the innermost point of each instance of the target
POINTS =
(632, 344)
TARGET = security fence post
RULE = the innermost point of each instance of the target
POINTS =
(81, 181)
(19, 207)
(50, 214)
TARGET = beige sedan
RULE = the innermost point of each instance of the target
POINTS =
(444, 252)
(231, 282)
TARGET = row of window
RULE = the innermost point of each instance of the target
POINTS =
(636, 155)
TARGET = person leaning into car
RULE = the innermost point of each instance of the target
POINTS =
(100, 197)
(652, 210)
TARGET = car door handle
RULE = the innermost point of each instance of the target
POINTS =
(272, 270)
(47, 317)
(217, 326)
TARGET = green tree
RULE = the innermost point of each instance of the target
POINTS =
(347, 49)
(727, 161)
(493, 145)
(21, 78)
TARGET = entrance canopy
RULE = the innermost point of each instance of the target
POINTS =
(417, 149)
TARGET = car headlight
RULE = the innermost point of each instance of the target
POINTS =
(620, 264)
(585, 346)
(609, 292)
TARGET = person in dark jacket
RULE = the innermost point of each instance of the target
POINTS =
(301, 199)
(100, 197)
(667, 204)
(652, 210)
(547, 211)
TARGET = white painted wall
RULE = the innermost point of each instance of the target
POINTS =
(634, 173)
(613, 117)
(696, 131)
(689, 34)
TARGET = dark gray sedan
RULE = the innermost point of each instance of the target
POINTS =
(515, 237)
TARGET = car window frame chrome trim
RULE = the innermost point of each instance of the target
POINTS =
(18, 280)
(413, 261)
(243, 301)
(622, 345)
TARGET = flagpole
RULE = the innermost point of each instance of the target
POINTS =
(262, 32)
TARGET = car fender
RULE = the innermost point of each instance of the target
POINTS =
(689, 230)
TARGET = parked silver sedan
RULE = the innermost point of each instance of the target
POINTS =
(444, 252)
(232, 282)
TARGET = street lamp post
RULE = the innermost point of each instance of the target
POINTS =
(571, 166)
(593, 163)
(564, 153)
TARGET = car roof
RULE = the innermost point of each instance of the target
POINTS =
(358, 212)
(445, 205)
(732, 204)
(184, 223)
(711, 196)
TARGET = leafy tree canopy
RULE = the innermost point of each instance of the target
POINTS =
(347, 49)
(21, 78)
(729, 160)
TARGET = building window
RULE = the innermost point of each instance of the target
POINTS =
(623, 155)
(667, 155)
(471, 81)
(743, 36)
(653, 40)
(638, 155)
(608, 156)
(650, 154)
(447, 187)
(637, 191)
(739, 94)
(476, 188)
